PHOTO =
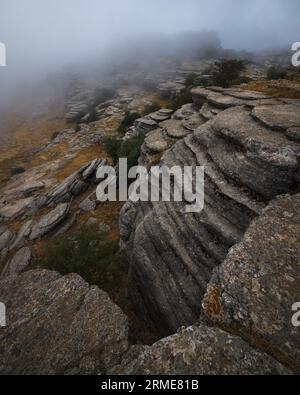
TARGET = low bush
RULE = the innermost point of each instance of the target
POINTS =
(54, 135)
(98, 261)
(190, 80)
(183, 98)
(17, 170)
(227, 72)
(127, 121)
(130, 149)
(276, 73)
(112, 147)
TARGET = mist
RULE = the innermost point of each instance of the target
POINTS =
(43, 35)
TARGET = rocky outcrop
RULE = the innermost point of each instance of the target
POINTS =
(199, 350)
(59, 325)
(148, 123)
(252, 293)
(75, 184)
(49, 221)
(18, 263)
(247, 164)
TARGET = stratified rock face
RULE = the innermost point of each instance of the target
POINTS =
(200, 350)
(253, 291)
(49, 221)
(59, 325)
(247, 164)
(18, 263)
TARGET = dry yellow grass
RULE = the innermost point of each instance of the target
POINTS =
(281, 88)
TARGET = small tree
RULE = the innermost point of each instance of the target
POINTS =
(228, 72)
(183, 98)
(191, 80)
(112, 147)
(149, 109)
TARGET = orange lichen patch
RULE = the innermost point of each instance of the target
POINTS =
(211, 302)
(281, 88)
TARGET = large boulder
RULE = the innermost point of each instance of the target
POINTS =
(199, 350)
(253, 291)
(59, 325)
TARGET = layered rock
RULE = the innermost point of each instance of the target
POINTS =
(75, 184)
(252, 293)
(247, 164)
(49, 221)
(59, 325)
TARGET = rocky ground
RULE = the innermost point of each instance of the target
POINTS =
(225, 279)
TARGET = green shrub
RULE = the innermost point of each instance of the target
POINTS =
(131, 149)
(227, 72)
(54, 135)
(17, 170)
(276, 73)
(98, 261)
(151, 108)
(183, 98)
(112, 147)
(127, 121)
(191, 80)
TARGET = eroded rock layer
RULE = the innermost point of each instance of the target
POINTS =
(247, 164)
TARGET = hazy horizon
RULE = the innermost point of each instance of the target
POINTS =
(42, 35)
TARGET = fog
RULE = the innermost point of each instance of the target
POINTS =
(45, 35)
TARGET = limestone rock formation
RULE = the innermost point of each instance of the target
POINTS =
(253, 291)
(59, 325)
(49, 222)
(247, 164)
(199, 350)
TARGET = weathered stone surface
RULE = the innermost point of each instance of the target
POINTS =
(185, 111)
(13, 210)
(253, 155)
(25, 188)
(253, 291)
(174, 254)
(155, 141)
(174, 129)
(75, 184)
(200, 350)
(88, 205)
(23, 233)
(278, 117)
(49, 221)
(59, 325)
(17, 264)
(6, 238)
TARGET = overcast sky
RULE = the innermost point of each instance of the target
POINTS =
(41, 33)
